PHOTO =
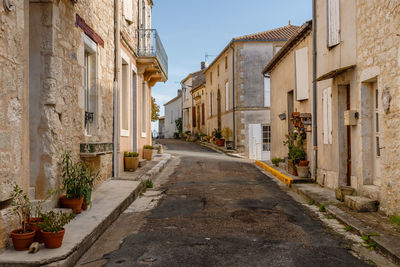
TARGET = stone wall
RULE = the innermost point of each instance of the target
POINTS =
(14, 107)
(57, 85)
(378, 57)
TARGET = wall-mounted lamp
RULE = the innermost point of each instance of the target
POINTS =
(8, 6)
(282, 116)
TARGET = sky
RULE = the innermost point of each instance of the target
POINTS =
(191, 28)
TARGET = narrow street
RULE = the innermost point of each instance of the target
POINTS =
(215, 210)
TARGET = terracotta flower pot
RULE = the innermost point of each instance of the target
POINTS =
(220, 142)
(22, 241)
(34, 223)
(53, 240)
(131, 163)
(148, 154)
(75, 204)
(304, 163)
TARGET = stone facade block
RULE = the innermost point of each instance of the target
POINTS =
(361, 204)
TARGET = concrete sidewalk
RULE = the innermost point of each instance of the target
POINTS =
(110, 199)
(385, 234)
(228, 152)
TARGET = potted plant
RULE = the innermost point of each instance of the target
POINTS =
(227, 133)
(52, 227)
(148, 152)
(217, 133)
(88, 177)
(73, 183)
(131, 161)
(22, 237)
(296, 152)
(276, 161)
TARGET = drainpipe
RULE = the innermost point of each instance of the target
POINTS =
(233, 97)
(115, 90)
(314, 93)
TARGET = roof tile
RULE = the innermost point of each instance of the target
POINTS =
(282, 33)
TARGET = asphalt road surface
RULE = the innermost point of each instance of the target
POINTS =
(218, 211)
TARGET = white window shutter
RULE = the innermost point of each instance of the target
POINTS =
(301, 64)
(128, 10)
(330, 115)
(226, 96)
(333, 22)
(325, 115)
(267, 92)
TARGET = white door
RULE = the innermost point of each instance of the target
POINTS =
(377, 134)
(255, 141)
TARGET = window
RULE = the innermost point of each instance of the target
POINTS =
(125, 94)
(266, 134)
(226, 96)
(128, 10)
(203, 121)
(327, 115)
(333, 29)
(226, 62)
(301, 73)
(194, 116)
(211, 103)
(267, 92)
(90, 85)
(218, 70)
(142, 14)
(144, 109)
(172, 116)
(210, 77)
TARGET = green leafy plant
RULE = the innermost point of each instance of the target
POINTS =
(348, 228)
(21, 206)
(312, 202)
(217, 133)
(55, 221)
(295, 144)
(77, 178)
(276, 161)
(178, 124)
(322, 208)
(148, 147)
(369, 243)
(176, 135)
(395, 219)
(131, 154)
(149, 184)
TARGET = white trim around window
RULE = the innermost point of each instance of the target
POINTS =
(125, 95)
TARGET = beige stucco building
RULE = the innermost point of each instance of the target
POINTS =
(357, 72)
(290, 72)
(237, 94)
(67, 78)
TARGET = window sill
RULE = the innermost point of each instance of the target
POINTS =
(89, 150)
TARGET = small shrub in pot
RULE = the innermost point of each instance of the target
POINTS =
(148, 152)
(131, 161)
(52, 228)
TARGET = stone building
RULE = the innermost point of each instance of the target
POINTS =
(199, 103)
(143, 62)
(238, 95)
(172, 111)
(60, 89)
(161, 127)
(290, 73)
(357, 73)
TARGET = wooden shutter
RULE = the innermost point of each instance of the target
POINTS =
(333, 29)
(226, 96)
(203, 117)
(194, 116)
(327, 115)
(301, 67)
(128, 10)
(267, 92)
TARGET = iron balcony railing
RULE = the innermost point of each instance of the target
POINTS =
(150, 45)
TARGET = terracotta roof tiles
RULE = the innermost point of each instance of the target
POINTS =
(282, 33)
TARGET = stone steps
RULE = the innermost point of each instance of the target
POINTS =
(361, 204)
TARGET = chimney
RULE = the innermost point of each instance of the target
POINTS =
(179, 92)
(203, 65)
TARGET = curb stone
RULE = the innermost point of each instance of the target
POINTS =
(71, 257)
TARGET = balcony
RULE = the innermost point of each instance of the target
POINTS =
(152, 58)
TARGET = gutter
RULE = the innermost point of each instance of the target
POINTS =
(233, 96)
(115, 90)
(314, 94)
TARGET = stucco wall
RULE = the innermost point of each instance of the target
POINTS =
(172, 112)
(282, 82)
